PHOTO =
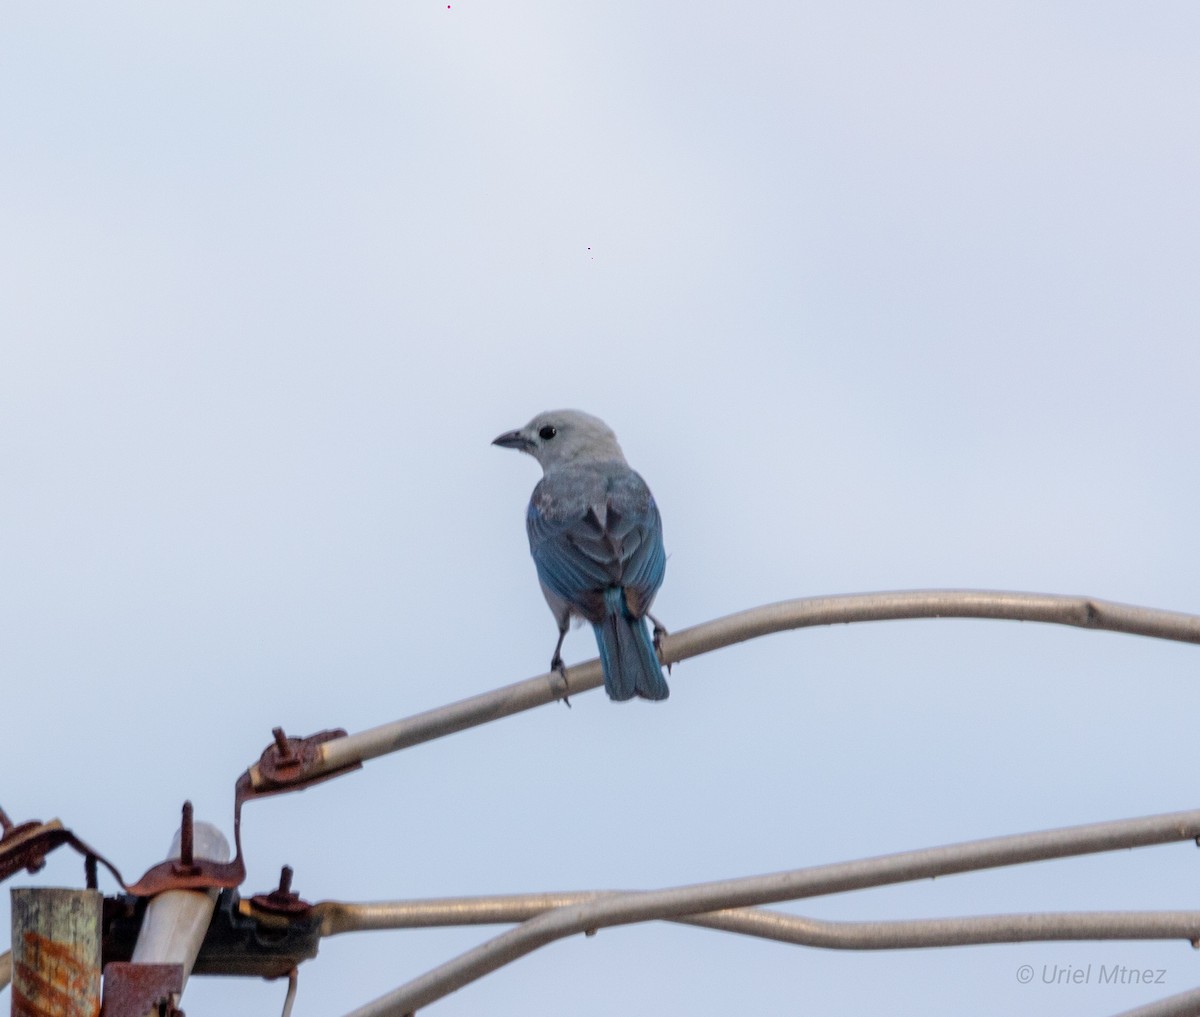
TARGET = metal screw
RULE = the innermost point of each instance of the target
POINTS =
(283, 745)
(285, 880)
(185, 838)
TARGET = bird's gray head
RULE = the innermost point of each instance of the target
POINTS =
(564, 436)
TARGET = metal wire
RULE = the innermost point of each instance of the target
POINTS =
(290, 998)
(1081, 612)
(626, 908)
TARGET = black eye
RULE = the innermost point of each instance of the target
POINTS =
(547, 432)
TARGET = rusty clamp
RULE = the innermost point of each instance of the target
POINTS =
(287, 764)
(25, 846)
(134, 990)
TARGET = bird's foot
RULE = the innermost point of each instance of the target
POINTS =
(660, 630)
(557, 665)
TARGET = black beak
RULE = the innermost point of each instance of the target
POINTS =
(514, 439)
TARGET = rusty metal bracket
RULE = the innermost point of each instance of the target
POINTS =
(285, 765)
(280, 906)
(134, 990)
(188, 872)
(25, 846)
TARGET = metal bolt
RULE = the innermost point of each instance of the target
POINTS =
(185, 837)
(283, 745)
(285, 880)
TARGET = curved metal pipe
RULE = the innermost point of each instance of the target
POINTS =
(337, 917)
(627, 908)
(1081, 612)
(1184, 1004)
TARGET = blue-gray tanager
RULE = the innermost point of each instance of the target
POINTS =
(596, 538)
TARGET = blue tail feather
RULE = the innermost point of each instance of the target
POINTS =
(631, 666)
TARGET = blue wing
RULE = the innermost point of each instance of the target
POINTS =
(590, 531)
(647, 564)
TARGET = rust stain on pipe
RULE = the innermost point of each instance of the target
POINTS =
(56, 953)
(53, 980)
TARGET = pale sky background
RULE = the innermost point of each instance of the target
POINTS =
(876, 296)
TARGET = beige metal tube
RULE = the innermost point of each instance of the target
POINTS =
(1079, 612)
(177, 920)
